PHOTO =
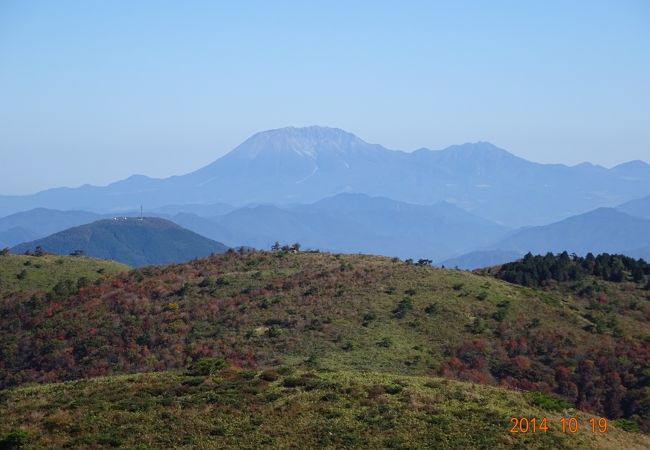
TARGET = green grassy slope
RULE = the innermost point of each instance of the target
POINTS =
(32, 273)
(369, 319)
(340, 313)
(252, 409)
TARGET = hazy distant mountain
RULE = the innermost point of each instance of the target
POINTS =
(632, 170)
(346, 223)
(601, 230)
(639, 207)
(15, 235)
(304, 165)
(201, 210)
(598, 231)
(39, 222)
(481, 258)
(133, 241)
(358, 223)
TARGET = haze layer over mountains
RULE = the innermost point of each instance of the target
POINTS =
(329, 189)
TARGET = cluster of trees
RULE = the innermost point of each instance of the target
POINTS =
(538, 270)
(38, 251)
(293, 248)
(422, 262)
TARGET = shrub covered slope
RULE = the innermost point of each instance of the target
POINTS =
(586, 343)
(289, 409)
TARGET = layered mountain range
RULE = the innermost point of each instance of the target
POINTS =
(469, 205)
(603, 230)
(304, 165)
(356, 223)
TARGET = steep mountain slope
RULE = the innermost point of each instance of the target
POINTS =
(133, 241)
(343, 313)
(304, 165)
(601, 230)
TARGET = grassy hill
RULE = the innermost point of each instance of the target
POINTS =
(132, 241)
(287, 408)
(343, 313)
(34, 273)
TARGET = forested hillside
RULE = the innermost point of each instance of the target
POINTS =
(541, 270)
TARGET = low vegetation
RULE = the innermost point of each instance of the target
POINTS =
(320, 311)
(286, 408)
(31, 273)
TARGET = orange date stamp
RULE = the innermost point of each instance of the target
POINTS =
(565, 425)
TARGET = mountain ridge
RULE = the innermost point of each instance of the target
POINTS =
(346, 222)
(639, 207)
(353, 222)
(358, 223)
(303, 165)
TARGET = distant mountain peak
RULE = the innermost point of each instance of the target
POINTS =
(303, 165)
(636, 169)
(587, 165)
(307, 131)
(633, 163)
(304, 141)
(479, 148)
(477, 158)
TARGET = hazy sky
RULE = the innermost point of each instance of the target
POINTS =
(94, 91)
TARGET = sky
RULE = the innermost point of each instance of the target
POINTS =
(95, 91)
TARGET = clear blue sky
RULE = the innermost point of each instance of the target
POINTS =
(94, 91)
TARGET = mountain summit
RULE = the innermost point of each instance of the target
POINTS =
(310, 142)
(304, 165)
(476, 150)
(291, 156)
(130, 240)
